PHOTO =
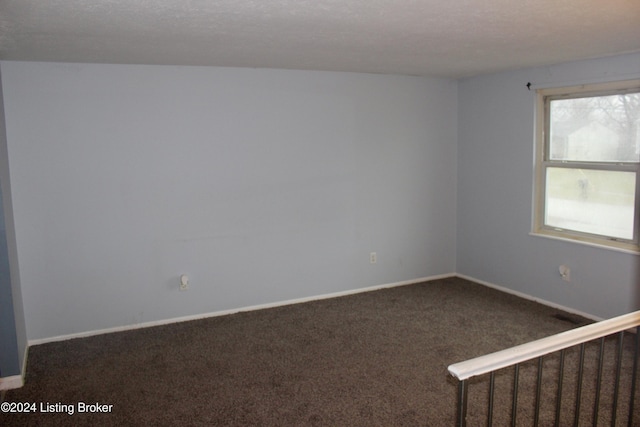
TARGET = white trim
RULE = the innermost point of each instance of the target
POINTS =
(535, 349)
(303, 300)
(548, 235)
(25, 357)
(236, 310)
(530, 297)
(8, 383)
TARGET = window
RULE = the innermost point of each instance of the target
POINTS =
(588, 164)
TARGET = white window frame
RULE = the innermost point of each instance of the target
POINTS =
(543, 161)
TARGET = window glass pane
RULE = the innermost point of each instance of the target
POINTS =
(598, 128)
(591, 201)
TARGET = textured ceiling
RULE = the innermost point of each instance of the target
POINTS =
(452, 38)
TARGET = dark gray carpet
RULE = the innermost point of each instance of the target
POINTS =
(372, 359)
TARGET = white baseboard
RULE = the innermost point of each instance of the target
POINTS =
(236, 310)
(8, 383)
(303, 300)
(529, 297)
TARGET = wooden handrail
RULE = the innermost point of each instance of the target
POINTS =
(531, 350)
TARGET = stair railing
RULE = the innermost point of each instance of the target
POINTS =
(515, 356)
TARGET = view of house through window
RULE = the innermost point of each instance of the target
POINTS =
(588, 164)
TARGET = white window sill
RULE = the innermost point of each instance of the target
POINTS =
(585, 243)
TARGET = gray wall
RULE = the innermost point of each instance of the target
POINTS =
(270, 185)
(495, 187)
(261, 185)
(13, 338)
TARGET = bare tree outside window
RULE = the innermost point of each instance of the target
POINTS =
(600, 128)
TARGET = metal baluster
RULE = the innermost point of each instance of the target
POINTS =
(559, 392)
(596, 404)
(538, 392)
(635, 375)
(462, 403)
(492, 381)
(576, 416)
(514, 407)
(617, 382)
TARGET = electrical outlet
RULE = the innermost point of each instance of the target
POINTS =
(184, 282)
(373, 258)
